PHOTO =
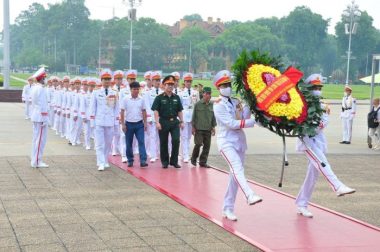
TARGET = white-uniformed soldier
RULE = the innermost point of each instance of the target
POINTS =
(152, 145)
(57, 106)
(104, 107)
(53, 90)
(189, 97)
(177, 77)
(348, 114)
(50, 94)
(231, 117)
(26, 97)
(76, 118)
(315, 150)
(88, 88)
(68, 95)
(39, 118)
(62, 123)
(118, 76)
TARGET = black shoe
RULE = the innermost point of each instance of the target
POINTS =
(194, 162)
(143, 165)
(348, 142)
(130, 164)
(343, 142)
(204, 166)
(165, 166)
(176, 165)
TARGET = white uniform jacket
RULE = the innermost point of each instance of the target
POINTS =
(188, 102)
(348, 107)
(40, 104)
(149, 97)
(230, 122)
(84, 108)
(26, 93)
(104, 108)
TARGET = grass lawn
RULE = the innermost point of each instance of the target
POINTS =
(330, 91)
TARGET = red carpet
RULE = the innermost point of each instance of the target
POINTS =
(272, 225)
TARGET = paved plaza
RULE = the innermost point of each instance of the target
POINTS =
(70, 206)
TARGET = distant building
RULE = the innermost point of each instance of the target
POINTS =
(213, 27)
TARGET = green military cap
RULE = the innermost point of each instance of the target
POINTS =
(207, 90)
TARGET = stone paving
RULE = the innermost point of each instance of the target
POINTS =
(73, 207)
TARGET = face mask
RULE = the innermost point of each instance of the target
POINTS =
(317, 93)
(225, 91)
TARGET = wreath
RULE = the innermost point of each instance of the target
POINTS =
(279, 100)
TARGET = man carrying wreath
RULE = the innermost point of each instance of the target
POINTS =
(231, 117)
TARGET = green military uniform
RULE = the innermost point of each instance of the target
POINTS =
(168, 108)
(203, 122)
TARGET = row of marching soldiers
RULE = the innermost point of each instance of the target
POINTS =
(73, 103)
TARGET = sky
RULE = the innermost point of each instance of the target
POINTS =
(170, 11)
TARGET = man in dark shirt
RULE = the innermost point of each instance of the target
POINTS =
(204, 123)
(167, 109)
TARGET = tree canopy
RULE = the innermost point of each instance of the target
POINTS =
(64, 34)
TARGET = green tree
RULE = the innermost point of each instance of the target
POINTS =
(198, 40)
(304, 33)
(193, 17)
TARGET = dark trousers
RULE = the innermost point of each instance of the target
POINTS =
(201, 137)
(135, 129)
(167, 127)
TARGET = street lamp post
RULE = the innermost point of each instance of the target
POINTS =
(132, 17)
(351, 14)
(6, 59)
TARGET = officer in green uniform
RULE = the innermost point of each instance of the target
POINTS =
(167, 109)
(203, 122)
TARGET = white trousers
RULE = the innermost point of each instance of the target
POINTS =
(87, 130)
(27, 109)
(103, 141)
(76, 130)
(374, 134)
(51, 116)
(38, 143)
(235, 160)
(185, 140)
(347, 129)
(153, 140)
(116, 140)
(314, 167)
(122, 146)
(62, 125)
(56, 125)
(68, 127)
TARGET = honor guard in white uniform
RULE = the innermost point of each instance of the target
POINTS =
(189, 97)
(39, 118)
(26, 97)
(57, 106)
(53, 90)
(62, 123)
(118, 76)
(50, 92)
(104, 107)
(153, 140)
(231, 117)
(148, 81)
(76, 119)
(315, 149)
(347, 114)
(88, 88)
(177, 77)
